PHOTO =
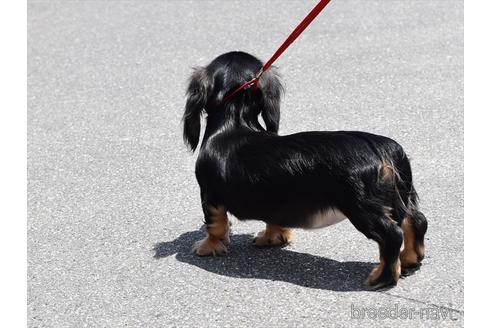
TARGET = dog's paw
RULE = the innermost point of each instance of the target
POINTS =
(268, 237)
(207, 247)
(383, 278)
(380, 287)
(410, 270)
(226, 240)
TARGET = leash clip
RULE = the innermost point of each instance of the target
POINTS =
(246, 85)
(256, 79)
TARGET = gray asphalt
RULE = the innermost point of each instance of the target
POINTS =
(113, 206)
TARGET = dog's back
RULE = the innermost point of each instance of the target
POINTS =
(289, 178)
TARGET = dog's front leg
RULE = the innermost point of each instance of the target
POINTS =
(273, 235)
(217, 232)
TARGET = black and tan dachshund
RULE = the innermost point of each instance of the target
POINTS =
(303, 180)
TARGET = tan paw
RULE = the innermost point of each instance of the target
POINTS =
(409, 258)
(374, 275)
(275, 236)
(226, 240)
(376, 280)
(207, 247)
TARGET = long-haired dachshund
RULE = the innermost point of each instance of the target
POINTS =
(304, 180)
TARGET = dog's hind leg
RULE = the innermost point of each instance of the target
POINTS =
(376, 225)
(217, 238)
(413, 222)
(273, 235)
(414, 228)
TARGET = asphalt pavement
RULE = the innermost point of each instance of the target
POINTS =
(113, 205)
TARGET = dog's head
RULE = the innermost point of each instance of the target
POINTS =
(209, 86)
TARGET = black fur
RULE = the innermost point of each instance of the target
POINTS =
(256, 174)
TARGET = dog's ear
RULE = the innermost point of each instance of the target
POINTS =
(196, 99)
(272, 90)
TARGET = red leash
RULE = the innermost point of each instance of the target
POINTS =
(297, 31)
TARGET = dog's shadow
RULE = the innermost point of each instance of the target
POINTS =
(244, 260)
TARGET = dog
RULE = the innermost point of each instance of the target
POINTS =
(304, 180)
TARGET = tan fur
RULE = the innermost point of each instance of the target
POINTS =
(376, 272)
(220, 226)
(419, 249)
(409, 256)
(274, 235)
(324, 218)
(217, 234)
(209, 246)
(397, 270)
(387, 212)
(387, 171)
